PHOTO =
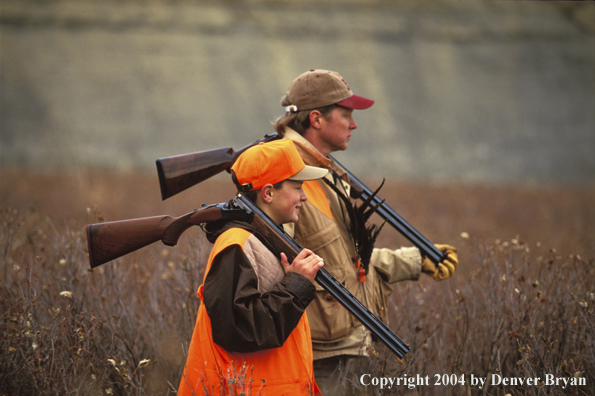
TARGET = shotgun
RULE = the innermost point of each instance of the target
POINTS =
(180, 172)
(110, 240)
(277, 236)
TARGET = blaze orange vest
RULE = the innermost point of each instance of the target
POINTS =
(211, 370)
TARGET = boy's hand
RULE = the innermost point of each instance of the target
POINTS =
(306, 263)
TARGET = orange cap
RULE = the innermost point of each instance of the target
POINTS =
(271, 163)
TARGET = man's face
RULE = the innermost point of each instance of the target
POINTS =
(335, 133)
(287, 201)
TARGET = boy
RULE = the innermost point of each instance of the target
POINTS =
(253, 300)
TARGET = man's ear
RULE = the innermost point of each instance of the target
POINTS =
(266, 193)
(315, 118)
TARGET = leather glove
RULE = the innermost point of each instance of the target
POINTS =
(444, 269)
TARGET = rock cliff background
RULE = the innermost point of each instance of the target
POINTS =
(473, 92)
(484, 126)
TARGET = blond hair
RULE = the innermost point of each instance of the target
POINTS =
(300, 121)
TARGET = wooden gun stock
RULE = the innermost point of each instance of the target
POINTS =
(180, 172)
(110, 240)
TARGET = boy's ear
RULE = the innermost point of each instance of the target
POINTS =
(266, 193)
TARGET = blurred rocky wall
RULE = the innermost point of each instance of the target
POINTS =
(483, 92)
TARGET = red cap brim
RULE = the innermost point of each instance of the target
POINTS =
(356, 102)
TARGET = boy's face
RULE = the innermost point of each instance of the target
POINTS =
(286, 202)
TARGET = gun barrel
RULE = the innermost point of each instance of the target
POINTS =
(397, 222)
(279, 238)
(361, 312)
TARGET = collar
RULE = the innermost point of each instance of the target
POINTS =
(311, 155)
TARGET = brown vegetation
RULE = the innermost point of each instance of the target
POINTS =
(521, 304)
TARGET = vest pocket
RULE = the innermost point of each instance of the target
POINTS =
(330, 322)
(381, 291)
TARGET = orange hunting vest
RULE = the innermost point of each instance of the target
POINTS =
(284, 371)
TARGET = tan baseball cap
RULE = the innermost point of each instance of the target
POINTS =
(318, 88)
(271, 163)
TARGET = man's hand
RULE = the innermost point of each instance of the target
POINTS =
(306, 263)
(444, 269)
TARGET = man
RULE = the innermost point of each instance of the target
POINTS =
(253, 301)
(319, 119)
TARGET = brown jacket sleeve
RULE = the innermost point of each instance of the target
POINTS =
(244, 320)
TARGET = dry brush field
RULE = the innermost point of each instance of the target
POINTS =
(521, 304)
